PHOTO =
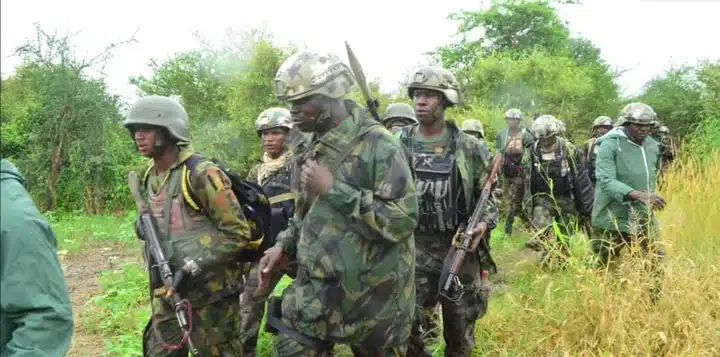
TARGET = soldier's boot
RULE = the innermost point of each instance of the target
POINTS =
(250, 347)
(509, 223)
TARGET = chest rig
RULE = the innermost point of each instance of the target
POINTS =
(550, 170)
(437, 186)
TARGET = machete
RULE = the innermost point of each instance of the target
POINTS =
(372, 104)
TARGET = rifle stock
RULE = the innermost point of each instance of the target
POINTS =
(450, 285)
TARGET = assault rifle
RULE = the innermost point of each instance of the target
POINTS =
(450, 285)
(183, 308)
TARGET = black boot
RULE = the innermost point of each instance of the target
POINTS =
(509, 223)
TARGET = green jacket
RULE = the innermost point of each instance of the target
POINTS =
(354, 244)
(621, 167)
(35, 314)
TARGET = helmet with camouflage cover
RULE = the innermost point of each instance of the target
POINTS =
(513, 113)
(637, 113)
(545, 126)
(562, 129)
(273, 118)
(663, 130)
(160, 111)
(602, 121)
(436, 78)
(308, 73)
(473, 125)
(399, 110)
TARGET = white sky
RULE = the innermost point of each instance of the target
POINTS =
(388, 36)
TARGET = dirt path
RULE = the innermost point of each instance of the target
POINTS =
(81, 272)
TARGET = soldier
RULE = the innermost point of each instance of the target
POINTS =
(352, 230)
(625, 199)
(668, 148)
(556, 184)
(398, 115)
(511, 142)
(451, 168)
(474, 127)
(200, 243)
(601, 126)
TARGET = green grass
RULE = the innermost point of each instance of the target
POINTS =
(74, 231)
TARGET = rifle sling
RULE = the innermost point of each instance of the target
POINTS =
(316, 344)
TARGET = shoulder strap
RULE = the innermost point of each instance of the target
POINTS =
(186, 186)
(351, 146)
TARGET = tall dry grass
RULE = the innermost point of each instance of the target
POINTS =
(579, 311)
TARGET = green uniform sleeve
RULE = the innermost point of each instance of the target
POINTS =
(288, 238)
(498, 142)
(214, 191)
(253, 173)
(389, 211)
(482, 171)
(34, 300)
(607, 175)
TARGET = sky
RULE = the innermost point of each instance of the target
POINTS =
(389, 37)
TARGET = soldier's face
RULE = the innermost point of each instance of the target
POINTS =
(512, 123)
(428, 105)
(144, 137)
(601, 130)
(273, 141)
(638, 133)
(304, 113)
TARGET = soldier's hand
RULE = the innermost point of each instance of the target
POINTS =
(477, 234)
(272, 260)
(652, 200)
(657, 202)
(316, 177)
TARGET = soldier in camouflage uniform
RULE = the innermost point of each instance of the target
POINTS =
(511, 142)
(557, 187)
(200, 245)
(273, 175)
(352, 231)
(601, 126)
(451, 168)
(668, 147)
(398, 115)
(474, 127)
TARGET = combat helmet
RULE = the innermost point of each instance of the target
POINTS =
(308, 73)
(637, 113)
(473, 126)
(272, 118)
(160, 111)
(513, 113)
(399, 110)
(545, 126)
(602, 121)
(663, 130)
(436, 78)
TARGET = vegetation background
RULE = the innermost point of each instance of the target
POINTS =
(61, 127)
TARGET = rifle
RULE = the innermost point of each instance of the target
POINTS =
(450, 285)
(182, 307)
(372, 103)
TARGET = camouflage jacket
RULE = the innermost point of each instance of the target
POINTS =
(354, 244)
(277, 188)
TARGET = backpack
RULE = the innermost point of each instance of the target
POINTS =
(252, 199)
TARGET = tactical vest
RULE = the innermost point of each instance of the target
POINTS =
(590, 158)
(513, 152)
(550, 172)
(437, 184)
(282, 204)
(187, 228)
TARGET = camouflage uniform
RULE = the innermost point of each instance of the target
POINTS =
(551, 183)
(434, 237)
(202, 243)
(273, 175)
(589, 150)
(353, 244)
(668, 148)
(512, 147)
(398, 115)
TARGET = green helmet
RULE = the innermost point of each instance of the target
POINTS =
(473, 125)
(273, 118)
(308, 73)
(546, 126)
(602, 121)
(436, 78)
(399, 110)
(637, 113)
(160, 111)
(513, 114)
(663, 130)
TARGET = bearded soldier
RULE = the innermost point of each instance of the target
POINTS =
(511, 142)
(557, 187)
(451, 168)
(601, 126)
(352, 230)
(201, 243)
(398, 115)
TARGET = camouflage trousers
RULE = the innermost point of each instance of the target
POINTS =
(458, 318)
(252, 307)
(214, 330)
(512, 194)
(548, 210)
(288, 347)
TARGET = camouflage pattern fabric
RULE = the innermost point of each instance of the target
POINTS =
(214, 331)
(308, 73)
(288, 347)
(353, 244)
(472, 158)
(437, 79)
(272, 118)
(513, 191)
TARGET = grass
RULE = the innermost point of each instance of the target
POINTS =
(575, 311)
